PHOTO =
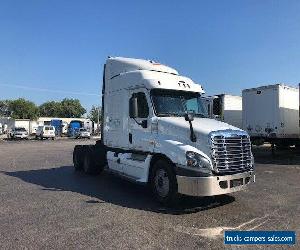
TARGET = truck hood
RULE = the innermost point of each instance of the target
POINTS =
(178, 129)
(201, 126)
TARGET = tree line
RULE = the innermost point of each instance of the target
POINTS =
(25, 109)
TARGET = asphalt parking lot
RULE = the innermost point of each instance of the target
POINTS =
(45, 204)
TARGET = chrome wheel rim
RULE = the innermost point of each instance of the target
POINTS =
(162, 182)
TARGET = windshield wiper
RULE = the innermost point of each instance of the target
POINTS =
(200, 115)
(170, 114)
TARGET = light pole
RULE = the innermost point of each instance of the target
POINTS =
(98, 119)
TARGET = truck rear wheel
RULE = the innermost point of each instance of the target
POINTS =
(78, 157)
(90, 163)
(163, 183)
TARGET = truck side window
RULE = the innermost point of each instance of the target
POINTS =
(217, 108)
(143, 109)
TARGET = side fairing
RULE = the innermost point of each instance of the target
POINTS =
(116, 119)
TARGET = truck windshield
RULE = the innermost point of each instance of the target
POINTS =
(177, 103)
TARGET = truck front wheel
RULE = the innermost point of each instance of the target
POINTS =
(163, 183)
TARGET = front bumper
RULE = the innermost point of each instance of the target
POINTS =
(21, 136)
(48, 136)
(84, 135)
(214, 185)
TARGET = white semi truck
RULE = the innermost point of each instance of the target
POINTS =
(155, 131)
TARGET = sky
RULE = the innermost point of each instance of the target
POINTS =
(54, 49)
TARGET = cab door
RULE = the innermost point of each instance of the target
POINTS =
(140, 137)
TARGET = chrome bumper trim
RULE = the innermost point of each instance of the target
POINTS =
(210, 186)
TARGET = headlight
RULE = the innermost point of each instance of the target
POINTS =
(197, 161)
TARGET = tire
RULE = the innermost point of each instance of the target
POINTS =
(90, 164)
(100, 156)
(163, 183)
(78, 157)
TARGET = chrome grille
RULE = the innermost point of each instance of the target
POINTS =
(231, 152)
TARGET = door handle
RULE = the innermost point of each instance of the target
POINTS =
(130, 138)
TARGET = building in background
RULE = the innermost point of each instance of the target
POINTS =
(61, 124)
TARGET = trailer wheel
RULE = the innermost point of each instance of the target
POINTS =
(163, 183)
(78, 157)
(90, 165)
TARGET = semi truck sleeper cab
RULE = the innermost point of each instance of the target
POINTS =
(155, 131)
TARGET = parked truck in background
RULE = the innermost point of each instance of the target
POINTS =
(155, 131)
(225, 108)
(45, 132)
(18, 133)
(82, 133)
(271, 114)
(58, 125)
(73, 127)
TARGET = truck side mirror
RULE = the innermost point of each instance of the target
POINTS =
(133, 107)
(144, 124)
(189, 117)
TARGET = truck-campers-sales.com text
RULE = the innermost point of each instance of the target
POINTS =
(260, 239)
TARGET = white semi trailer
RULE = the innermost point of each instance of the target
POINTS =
(271, 114)
(155, 131)
(225, 108)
